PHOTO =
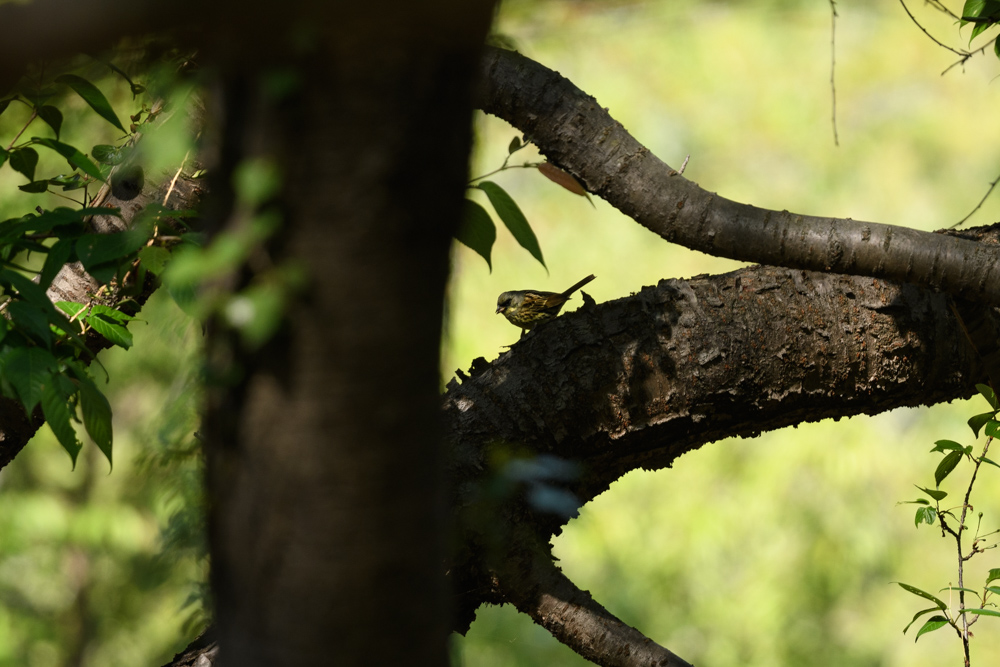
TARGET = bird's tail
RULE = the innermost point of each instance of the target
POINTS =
(578, 285)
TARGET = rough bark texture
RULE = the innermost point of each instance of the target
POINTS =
(576, 133)
(328, 521)
(636, 382)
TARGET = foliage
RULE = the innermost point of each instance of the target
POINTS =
(953, 522)
(478, 231)
(43, 353)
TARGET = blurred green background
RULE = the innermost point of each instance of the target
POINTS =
(773, 551)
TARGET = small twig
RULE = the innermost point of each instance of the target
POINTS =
(833, 70)
(965, 54)
(981, 202)
(34, 115)
(676, 172)
(505, 167)
(173, 181)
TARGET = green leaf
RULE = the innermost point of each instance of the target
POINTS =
(986, 460)
(947, 464)
(989, 395)
(33, 293)
(924, 594)
(96, 416)
(996, 47)
(992, 428)
(918, 615)
(106, 154)
(942, 445)
(926, 515)
(935, 623)
(512, 217)
(30, 319)
(5, 103)
(514, 146)
(477, 230)
(993, 589)
(50, 220)
(109, 325)
(52, 116)
(59, 254)
(154, 258)
(977, 422)
(69, 307)
(34, 187)
(24, 160)
(55, 406)
(28, 369)
(92, 96)
(960, 588)
(936, 494)
(76, 159)
(94, 249)
(982, 612)
(3, 156)
(993, 575)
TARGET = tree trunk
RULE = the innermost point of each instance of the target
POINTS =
(328, 516)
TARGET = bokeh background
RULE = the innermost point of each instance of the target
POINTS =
(777, 550)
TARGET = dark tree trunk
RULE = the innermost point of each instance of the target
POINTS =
(328, 516)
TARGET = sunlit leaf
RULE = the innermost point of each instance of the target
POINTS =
(943, 445)
(110, 325)
(935, 623)
(947, 464)
(923, 594)
(512, 217)
(918, 615)
(977, 422)
(92, 96)
(936, 494)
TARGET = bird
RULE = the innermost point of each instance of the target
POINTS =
(528, 308)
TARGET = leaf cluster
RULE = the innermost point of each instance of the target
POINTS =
(44, 357)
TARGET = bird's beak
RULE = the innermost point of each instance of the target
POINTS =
(500, 309)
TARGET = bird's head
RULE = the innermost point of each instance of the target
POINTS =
(505, 301)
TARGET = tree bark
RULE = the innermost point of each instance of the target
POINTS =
(326, 483)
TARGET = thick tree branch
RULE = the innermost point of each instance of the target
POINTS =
(636, 382)
(576, 133)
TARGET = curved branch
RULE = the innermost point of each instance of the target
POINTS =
(538, 588)
(573, 131)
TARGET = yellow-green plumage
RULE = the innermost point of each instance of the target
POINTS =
(529, 308)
